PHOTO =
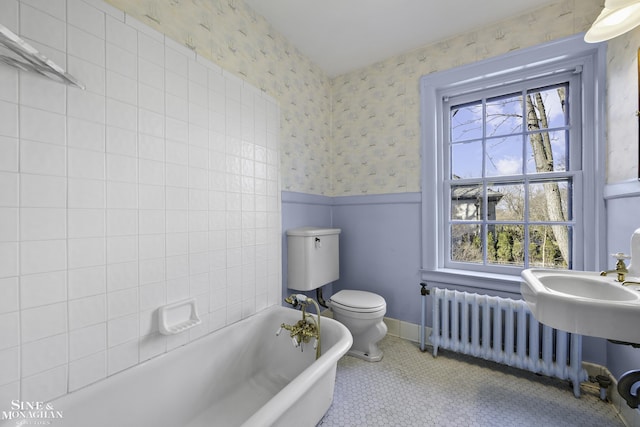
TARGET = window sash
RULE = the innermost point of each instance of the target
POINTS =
(571, 175)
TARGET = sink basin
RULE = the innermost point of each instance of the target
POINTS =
(586, 287)
(583, 302)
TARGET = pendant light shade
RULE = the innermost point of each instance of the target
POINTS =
(617, 17)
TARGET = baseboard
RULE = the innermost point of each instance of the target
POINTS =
(405, 330)
(630, 416)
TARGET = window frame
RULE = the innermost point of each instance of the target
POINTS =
(574, 173)
(571, 54)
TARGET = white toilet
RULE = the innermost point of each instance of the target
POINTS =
(313, 261)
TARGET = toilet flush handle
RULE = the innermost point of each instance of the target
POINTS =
(318, 243)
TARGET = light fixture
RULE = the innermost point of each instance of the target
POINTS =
(617, 17)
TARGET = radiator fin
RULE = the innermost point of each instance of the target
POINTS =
(503, 330)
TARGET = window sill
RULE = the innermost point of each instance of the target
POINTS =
(473, 279)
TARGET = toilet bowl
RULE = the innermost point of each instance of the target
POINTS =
(362, 313)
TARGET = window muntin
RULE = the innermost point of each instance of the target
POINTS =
(509, 195)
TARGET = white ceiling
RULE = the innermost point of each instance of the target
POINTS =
(344, 35)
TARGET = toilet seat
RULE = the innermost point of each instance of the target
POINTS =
(358, 301)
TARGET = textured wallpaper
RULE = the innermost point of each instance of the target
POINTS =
(376, 133)
(360, 132)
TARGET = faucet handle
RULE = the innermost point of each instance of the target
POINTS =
(620, 256)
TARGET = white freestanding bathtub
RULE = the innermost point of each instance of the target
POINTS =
(242, 375)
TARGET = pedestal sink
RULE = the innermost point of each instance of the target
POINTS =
(584, 303)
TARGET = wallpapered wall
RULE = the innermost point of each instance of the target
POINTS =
(376, 110)
(360, 132)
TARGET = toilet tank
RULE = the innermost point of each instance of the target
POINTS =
(312, 257)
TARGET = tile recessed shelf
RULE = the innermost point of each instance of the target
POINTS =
(21, 55)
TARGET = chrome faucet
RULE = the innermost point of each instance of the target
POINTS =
(621, 268)
(307, 328)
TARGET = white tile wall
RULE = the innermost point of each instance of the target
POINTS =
(86, 341)
(46, 159)
(9, 123)
(9, 324)
(44, 354)
(45, 385)
(122, 356)
(87, 370)
(42, 94)
(9, 366)
(43, 289)
(42, 125)
(9, 150)
(9, 291)
(85, 282)
(40, 26)
(157, 183)
(39, 191)
(43, 223)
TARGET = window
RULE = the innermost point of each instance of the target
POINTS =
(511, 164)
(512, 157)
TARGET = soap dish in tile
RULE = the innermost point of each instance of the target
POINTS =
(178, 317)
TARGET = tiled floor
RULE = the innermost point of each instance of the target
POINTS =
(412, 388)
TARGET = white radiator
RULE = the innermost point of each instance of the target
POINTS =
(503, 330)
